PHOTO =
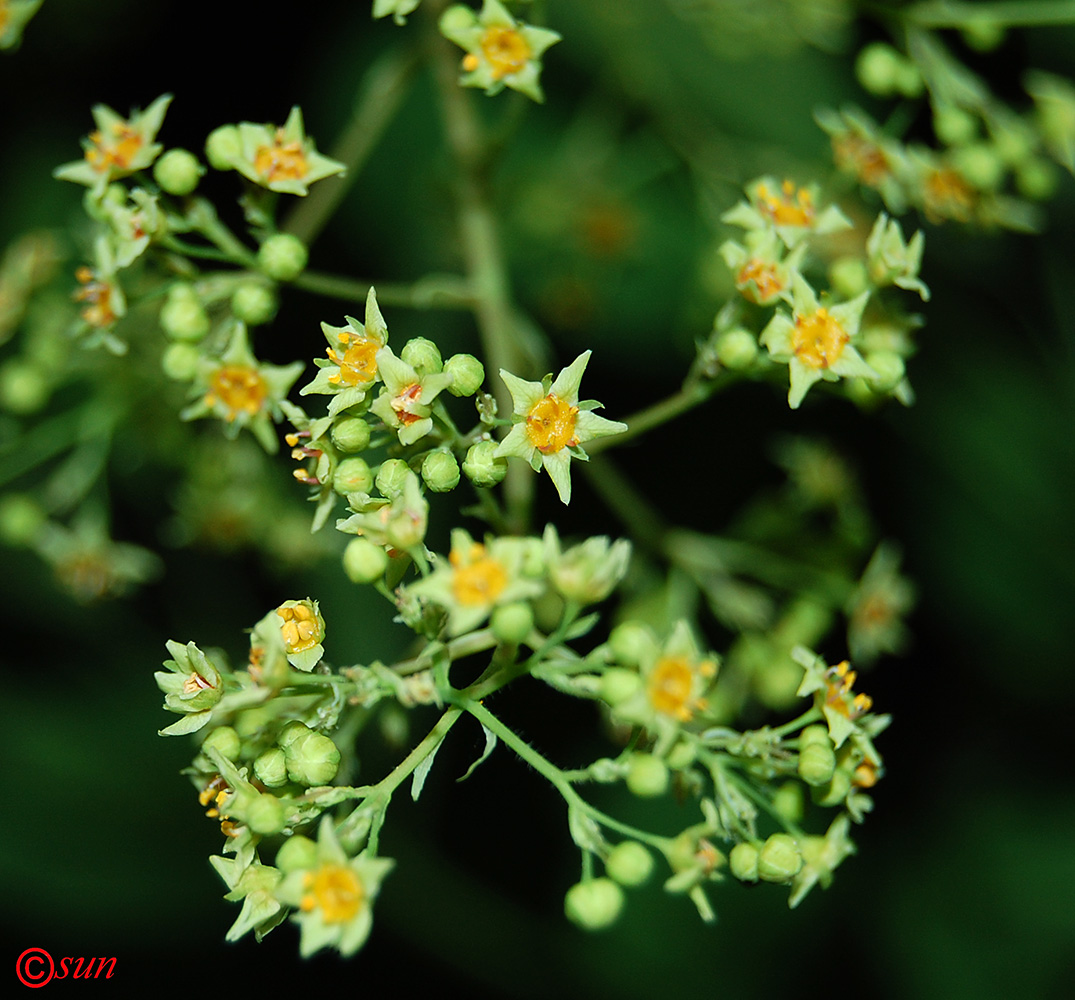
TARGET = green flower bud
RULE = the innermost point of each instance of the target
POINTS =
(788, 801)
(21, 517)
(737, 349)
(849, 276)
(283, 257)
(440, 471)
(594, 904)
(270, 768)
(312, 759)
(180, 361)
(351, 434)
(364, 562)
(779, 859)
(618, 684)
(403, 531)
(291, 733)
(980, 165)
(1036, 179)
(954, 126)
(254, 303)
(482, 467)
(743, 862)
(983, 34)
(629, 641)
(629, 863)
(352, 475)
(422, 355)
(511, 623)
(391, 477)
(222, 147)
(467, 373)
(184, 318)
(816, 735)
(457, 18)
(225, 741)
(647, 776)
(835, 791)
(890, 370)
(177, 172)
(266, 814)
(817, 764)
(296, 854)
(909, 80)
(878, 69)
(682, 755)
(23, 388)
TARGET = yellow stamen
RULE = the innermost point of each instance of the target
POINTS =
(97, 295)
(358, 363)
(550, 424)
(671, 686)
(281, 160)
(767, 284)
(948, 196)
(115, 150)
(791, 207)
(403, 404)
(240, 388)
(864, 158)
(818, 340)
(506, 51)
(301, 629)
(334, 889)
(480, 581)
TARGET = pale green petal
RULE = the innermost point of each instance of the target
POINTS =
(558, 466)
(566, 386)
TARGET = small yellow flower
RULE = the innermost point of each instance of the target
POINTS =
(302, 629)
(335, 890)
(791, 212)
(237, 389)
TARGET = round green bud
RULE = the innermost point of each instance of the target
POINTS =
(849, 276)
(779, 859)
(455, 19)
(184, 318)
(392, 477)
(351, 434)
(743, 862)
(270, 767)
(618, 684)
(594, 904)
(312, 760)
(422, 355)
(629, 863)
(737, 349)
(816, 735)
(983, 34)
(225, 741)
(647, 776)
(266, 814)
(890, 370)
(980, 165)
(253, 303)
(682, 755)
(467, 373)
(835, 791)
(178, 172)
(482, 467)
(223, 148)
(909, 80)
(404, 532)
(296, 854)
(954, 126)
(180, 361)
(352, 475)
(21, 517)
(788, 803)
(364, 562)
(291, 733)
(816, 765)
(1036, 179)
(511, 623)
(629, 640)
(440, 471)
(283, 257)
(23, 387)
(878, 69)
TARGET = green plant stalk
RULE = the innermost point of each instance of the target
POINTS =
(431, 292)
(1009, 13)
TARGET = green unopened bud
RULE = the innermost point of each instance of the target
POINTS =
(878, 69)
(404, 531)
(980, 165)
(253, 303)
(629, 641)
(779, 859)
(266, 814)
(737, 349)
(291, 733)
(1036, 179)
(225, 741)
(909, 80)
(482, 467)
(511, 623)
(594, 904)
(743, 862)
(457, 18)
(848, 276)
(392, 477)
(629, 863)
(352, 475)
(351, 434)
(787, 802)
(270, 768)
(422, 355)
(283, 257)
(178, 172)
(21, 517)
(890, 370)
(618, 685)
(180, 361)
(312, 759)
(364, 562)
(296, 854)
(954, 126)
(467, 373)
(835, 791)
(647, 776)
(222, 147)
(23, 387)
(184, 318)
(440, 471)
(983, 34)
(816, 765)
(816, 735)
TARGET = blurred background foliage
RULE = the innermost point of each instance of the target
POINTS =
(657, 111)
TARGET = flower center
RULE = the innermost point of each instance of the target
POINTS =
(281, 161)
(116, 150)
(301, 629)
(481, 581)
(358, 363)
(336, 890)
(550, 425)
(792, 207)
(839, 681)
(506, 51)
(97, 295)
(948, 195)
(818, 340)
(240, 388)
(864, 158)
(767, 283)
(404, 402)
(670, 687)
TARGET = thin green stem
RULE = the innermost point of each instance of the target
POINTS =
(1009, 13)
(435, 291)
(691, 395)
